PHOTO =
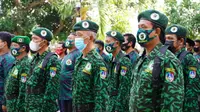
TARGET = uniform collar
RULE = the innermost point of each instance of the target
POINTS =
(119, 55)
(180, 51)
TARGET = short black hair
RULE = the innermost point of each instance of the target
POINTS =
(190, 42)
(100, 42)
(131, 38)
(198, 40)
(162, 33)
(27, 47)
(6, 37)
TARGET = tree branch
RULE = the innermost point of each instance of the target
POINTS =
(61, 26)
(35, 3)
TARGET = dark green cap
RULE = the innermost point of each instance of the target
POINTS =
(86, 25)
(21, 40)
(154, 16)
(115, 34)
(178, 30)
(43, 33)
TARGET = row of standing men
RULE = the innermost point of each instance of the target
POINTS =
(164, 78)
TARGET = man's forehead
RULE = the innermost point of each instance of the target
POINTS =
(81, 32)
(145, 22)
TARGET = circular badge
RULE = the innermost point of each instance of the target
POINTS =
(14, 52)
(113, 33)
(108, 48)
(20, 40)
(43, 33)
(192, 74)
(142, 36)
(85, 24)
(68, 62)
(174, 29)
(169, 77)
(155, 16)
(67, 43)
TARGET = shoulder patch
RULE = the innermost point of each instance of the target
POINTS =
(192, 72)
(14, 73)
(23, 77)
(53, 71)
(88, 68)
(69, 62)
(103, 72)
(123, 70)
(169, 76)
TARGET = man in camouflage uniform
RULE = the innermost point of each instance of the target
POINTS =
(189, 45)
(177, 34)
(6, 62)
(15, 83)
(128, 46)
(68, 64)
(119, 79)
(100, 47)
(90, 74)
(42, 87)
(197, 50)
(165, 92)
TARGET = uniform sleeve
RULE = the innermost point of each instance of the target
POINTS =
(124, 86)
(193, 73)
(100, 88)
(52, 83)
(173, 87)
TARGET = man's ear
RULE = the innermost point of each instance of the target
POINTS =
(158, 31)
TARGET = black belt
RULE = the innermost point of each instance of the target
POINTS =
(35, 91)
(84, 107)
(12, 96)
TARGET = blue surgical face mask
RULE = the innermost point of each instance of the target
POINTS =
(143, 36)
(79, 43)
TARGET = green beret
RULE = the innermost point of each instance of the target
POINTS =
(116, 35)
(21, 40)
(43, 33)
(154, 16)
(178, 30)
(86, 25)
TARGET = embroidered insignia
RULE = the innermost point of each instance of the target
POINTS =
(123, 70)
(23, 77)
(113, 33)
(68, 62)
(169, 76)
(174, 29)
(85, 24)
(52, 71)
(43, 33)
(155, 16)
(87, 68)
(103, 72)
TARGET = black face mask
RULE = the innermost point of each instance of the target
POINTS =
(125, 46)
(196, 49)
(171, 45)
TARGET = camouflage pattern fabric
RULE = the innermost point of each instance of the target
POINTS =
(15, 85)
(192, 85)
(119, 83)
(198, 58)
(133, 57)
(67, 70)
(6, 63)
(42, 87)
(89, 84)
(172, 91)
(105, 57)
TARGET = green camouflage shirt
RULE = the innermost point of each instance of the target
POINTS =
(192, 85)
(15, 85)
(119, 83)
(172, 91)
(43, 84)
(90, 82)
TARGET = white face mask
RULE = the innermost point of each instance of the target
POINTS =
(34, 46)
